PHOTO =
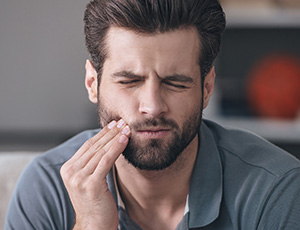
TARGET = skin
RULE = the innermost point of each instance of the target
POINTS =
(153, 199)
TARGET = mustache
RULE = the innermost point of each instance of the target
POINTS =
(153, 122)
(161, 122)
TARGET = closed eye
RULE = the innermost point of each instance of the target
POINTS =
(176, 85)
(129, 82)
(127, 78)
(179, 81)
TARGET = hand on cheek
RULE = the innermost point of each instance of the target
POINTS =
(84, 176)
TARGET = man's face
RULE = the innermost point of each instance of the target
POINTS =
(153, 83)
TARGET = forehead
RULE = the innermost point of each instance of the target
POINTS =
(166, 52)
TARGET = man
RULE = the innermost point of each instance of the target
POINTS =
(155, 164)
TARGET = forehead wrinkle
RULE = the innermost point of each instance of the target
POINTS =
(138, 69)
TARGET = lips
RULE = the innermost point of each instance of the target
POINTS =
(153, 133)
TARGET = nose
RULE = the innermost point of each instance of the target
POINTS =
(152, 102)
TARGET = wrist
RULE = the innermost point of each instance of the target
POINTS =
(95, 225)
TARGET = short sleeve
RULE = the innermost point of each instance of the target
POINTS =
(40, 200)
(282, 207)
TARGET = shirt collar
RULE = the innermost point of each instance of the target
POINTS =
(206, 187)
(120, 202)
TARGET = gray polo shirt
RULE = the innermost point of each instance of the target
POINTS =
(239, 181)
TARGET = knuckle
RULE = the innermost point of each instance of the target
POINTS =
(94, 147)
(71, 178)
(88, 144)
(62, 170)
(106, 161)
(66, 172)
(77, 182)
(98, 150)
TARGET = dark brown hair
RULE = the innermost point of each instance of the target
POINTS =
(154, 16)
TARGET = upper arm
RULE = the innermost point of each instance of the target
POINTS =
(282, 207)
(39, 200)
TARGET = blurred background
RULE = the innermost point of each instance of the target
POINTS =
(43, 100)
(258, 71)
(42, 55)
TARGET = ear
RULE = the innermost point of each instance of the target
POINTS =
(91, 81)
(208, 87)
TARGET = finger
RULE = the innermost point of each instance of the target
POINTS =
(89, 143)
(84, 154)
(115, 130)
(109, 158)
(92, 148)
(118, 141)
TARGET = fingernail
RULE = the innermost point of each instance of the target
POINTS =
(120, 123)
(122, 139)
(125, 130)
(111, 124)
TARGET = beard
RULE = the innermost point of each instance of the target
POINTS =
(155, 154)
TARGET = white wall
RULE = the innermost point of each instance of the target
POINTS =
(42, 56)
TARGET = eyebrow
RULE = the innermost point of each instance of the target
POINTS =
(175, 77)
(126, 74)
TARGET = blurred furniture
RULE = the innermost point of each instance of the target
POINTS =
(11, 166)
(253, 33)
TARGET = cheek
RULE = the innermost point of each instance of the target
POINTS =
(119, 104)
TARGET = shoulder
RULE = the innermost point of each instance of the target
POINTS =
(252, 150)
(63, 152)
(40, 198)
(44, 170)
(261, 182)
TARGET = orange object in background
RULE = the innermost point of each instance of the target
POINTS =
(274, 87)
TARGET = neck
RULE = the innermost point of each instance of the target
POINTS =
(150, 193)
